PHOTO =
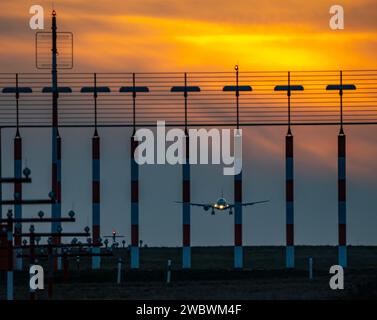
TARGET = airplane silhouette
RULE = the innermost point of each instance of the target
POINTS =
(221, 204)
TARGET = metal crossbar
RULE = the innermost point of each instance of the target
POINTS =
(211, 106)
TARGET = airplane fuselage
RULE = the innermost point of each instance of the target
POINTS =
(221, 204)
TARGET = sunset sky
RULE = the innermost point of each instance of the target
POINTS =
(170, 35)
(209, 35)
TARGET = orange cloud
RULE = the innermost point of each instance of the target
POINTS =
(175, 35)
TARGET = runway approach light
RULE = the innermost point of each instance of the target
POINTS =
(237, 88)
(60, 90)
(17, 90)
(289, 88)
(185, 89)
(133, 89)
(341, 87)
(95, 90)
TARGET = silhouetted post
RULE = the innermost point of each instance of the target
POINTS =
(186, 211)
(17, 165)
(10, 291)
(32, 256)
(342, 229)
(56, 145)
(289, 178)
(134, 192)
(134, 205)
(18, 174)
(96, 184)
(186, 195)
(134, 175)
(238, 244)
(238, 248)
(289, 194)
(186, 189)
(96, 211)
(342, 209)
(289, 188)
(96, 260)
(96, 177)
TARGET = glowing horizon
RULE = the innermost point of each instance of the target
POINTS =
(190, 36)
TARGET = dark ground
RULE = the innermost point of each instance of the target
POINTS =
(212, 276)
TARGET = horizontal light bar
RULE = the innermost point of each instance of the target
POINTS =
(341, 87)
(95, 89)
(17, 90)
(239, 88)
(134, 89)
(60, 90)
(289, 88)
(185, 89)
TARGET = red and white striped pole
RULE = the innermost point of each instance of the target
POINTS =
(134, 189)
(96, 260)
(56, 144)
(134, 205)
(289, 178)
(96, 213)
(342, 209)
(289, 188)
(238, 248)
(289, 194)
(186, 194)
(32, 256)
(342, 224)
(96, 183)
(186, 211)
(238, 244)
(10, 284)
(134, 176)
(58, 193)
(186, 219)
(18, 174)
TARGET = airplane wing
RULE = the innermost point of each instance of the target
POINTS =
(252, 203)
(204, 205)
(249, 203)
